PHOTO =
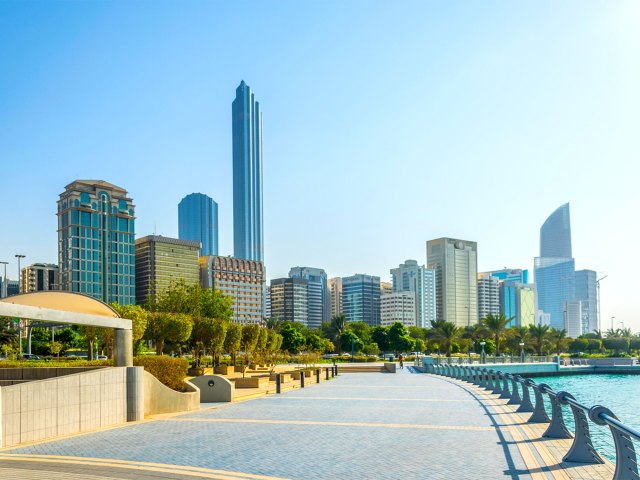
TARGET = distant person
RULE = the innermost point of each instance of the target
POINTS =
(401, 358)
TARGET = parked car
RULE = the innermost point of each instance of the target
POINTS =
(102, 357)
(30, 356)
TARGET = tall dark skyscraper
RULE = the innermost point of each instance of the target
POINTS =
(247, 175)
(198, 221)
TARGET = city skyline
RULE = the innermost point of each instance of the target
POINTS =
(548, 114)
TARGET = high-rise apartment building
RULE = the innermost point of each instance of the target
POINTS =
(161, 261)
(518, 303)
(335, 288)
(40, 277)
(398, 307)
(289, 300)
(198, 222)
(361, 299)
(573, 318)
(242, 280)
(96, 230)
(456, 269)
(587, 294)
(319, 301)
(267, 301)
(488, 295)
(555, 268)
(247, 175)
(386, 288)
(411, 277)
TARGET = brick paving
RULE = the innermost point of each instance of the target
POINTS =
(367, 426)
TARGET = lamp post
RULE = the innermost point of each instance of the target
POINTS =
(353, 350)
(3, 293)
(612, 319)
(18, 256)
(482, 355)
(521, 352)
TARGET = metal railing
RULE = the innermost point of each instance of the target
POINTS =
(582, 449)
(479, 360)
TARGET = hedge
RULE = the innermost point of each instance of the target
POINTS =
(170, 371)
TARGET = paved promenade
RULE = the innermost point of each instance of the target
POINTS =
(358, 425)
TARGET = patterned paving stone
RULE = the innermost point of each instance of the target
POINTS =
(369, 425)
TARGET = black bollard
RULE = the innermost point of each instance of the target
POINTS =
(326, 372)
(317, 375)
(301, 378)
(277, 383)
(335, 365)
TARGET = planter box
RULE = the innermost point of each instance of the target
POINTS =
(251, 382)
(196, 371)
(284, 377)
(239, 369)
(223, 370)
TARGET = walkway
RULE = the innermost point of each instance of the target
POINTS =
(370, 425)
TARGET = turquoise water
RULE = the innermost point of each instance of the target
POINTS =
(619, 393)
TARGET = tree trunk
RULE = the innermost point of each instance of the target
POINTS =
(159, 346)
(90, 345)
(497, 340)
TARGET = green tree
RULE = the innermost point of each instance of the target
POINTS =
(163, 326)
(250, 337)
(273, 323)
(55, 348)
(558, 338)
(539, 335)
(211, 333)
(398, 338)
(314, 343)
(232, 340)
(595, 345)
(380, 336)
(417, 332)
(292, 339)
(446, 333)
(139, 319)
(496, 325)
(579, 345)
(372, 349)
(338, 327)
(362, 331)
(347, 338)
(616, 344)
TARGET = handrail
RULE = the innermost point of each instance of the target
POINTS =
(582, 449)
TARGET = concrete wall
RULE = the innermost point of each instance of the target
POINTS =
(59, 406)
(159, 398)
(220, 390)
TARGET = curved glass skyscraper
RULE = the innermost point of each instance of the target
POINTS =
(198, 221)
(247, 175)
(555, 234)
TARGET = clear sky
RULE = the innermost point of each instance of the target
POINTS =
(386, 124)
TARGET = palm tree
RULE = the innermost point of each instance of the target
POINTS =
(338, 326)
(539, 334)
(516, 336)
(496, 325)
(556, 336)
(273, 323)
(447, 333)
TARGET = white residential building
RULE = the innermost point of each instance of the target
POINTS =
(398, 307)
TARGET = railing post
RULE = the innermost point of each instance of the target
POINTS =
(626, 466)
(505, 387)
(582, 450)
(496, 386)
(515, 394)
(277, 383)
(489, 383)
(335, 366)
(539, 414)
(557, 428)
(525, 405)
(333, 373)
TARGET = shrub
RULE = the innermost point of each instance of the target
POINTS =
(170, 371)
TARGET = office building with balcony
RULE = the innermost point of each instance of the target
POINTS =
(40, 277)
(163, 261)
(318, 301)
(455, 263)
(289, 300)
(361, 299)
(198, 222)
(242, 280)
(398, 307)
(96, 230)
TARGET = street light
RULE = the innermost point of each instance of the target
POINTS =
(521, 352)
(612, 318)
(482, 355)
(18, 256)
(3, 293)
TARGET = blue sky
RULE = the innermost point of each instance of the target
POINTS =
(385, 124)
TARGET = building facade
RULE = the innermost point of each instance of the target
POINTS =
(587, 294)
(335, 289)
(573, 318)
(319, 301)
(488, 295)
(161, 261)
(398, 307)
(518, 303)
(198, 222)
(96, 230)
(411, 277)
(242, 280)
(510, 275)
(456, 270)
(555, 234)
(40, 277)
(247, 175)
(289, 300)
(361, 299)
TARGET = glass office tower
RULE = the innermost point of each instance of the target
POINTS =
(319, 302)
(247, 175)
(198, 222)
(361, 299)
(555, 234)
(96, 230)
